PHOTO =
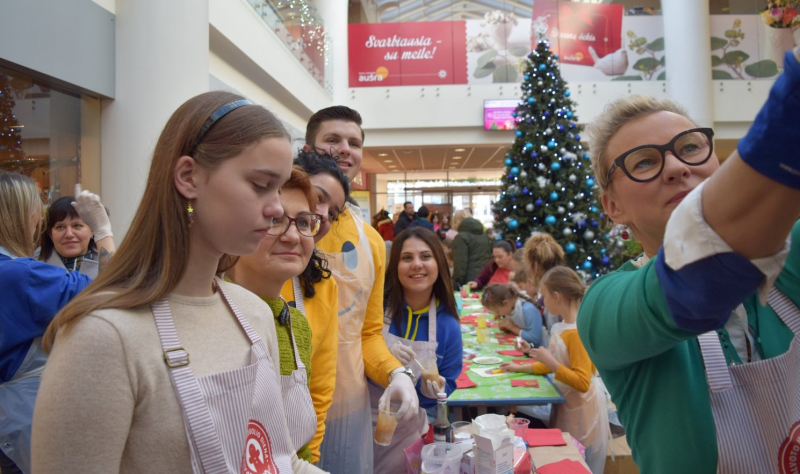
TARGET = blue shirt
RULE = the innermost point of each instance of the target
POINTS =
(448, 350)
(32, 293)
(532, 332)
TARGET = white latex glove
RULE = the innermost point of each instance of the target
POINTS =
(430, 389)
(403, 353)
(402, 390)
(92, 213)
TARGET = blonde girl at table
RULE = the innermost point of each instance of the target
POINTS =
(159, 365)
(420, 323)
(696, 339)
(584, 414)
(520, 315)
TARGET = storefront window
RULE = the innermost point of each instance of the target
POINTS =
(42, 129)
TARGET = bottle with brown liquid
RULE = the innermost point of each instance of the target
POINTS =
(442, 431)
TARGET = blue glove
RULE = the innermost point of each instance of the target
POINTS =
(770, 147)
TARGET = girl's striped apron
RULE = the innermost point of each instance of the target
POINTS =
(234, 420)
(756, 406)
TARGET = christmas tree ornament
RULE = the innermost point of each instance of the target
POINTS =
(551, 144)
(555, 166)
(529, 207)
(587, 157)
(514, 170)
(513, 224)
(593, 209)
(567, 232)
(559, 185)
(594, 223)
(540, 83)
(577, 138)
(620, 244)
(587, 265)
(523, 174)
(566, 93)
(542, 67)
(553, 100)
(603, 251)
(531, 100)
(605, 261)
(589, 183)
(518, 133)
(625, 234)
(550, 220)
(538, 202)
(561, 210)
(543, 148)
(588, 235)
(548, 131)
(508, 162)
(570, 248)
(572, 178)
(570, 205)
(554, 196)
(569, 114)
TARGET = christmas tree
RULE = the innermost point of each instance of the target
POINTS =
(10, 139)
(548, 183)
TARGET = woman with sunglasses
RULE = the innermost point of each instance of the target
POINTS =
(703, 374)
(283, 254)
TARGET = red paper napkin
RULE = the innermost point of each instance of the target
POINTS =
(524, 361)
(525, 383)
(463, 381)
(511, 352)
(469, 319)
(565, 466)
(545, 437)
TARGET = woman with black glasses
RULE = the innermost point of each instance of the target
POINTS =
(702, 369)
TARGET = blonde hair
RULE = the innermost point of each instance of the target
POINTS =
(150, 265)
(542, 249)
(19, 203)
(565, 281)
(520, 274)
(459, 217)
(614, 116)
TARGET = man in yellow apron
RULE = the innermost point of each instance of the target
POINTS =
(357, 257)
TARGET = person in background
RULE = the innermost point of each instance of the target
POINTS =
(283, 254)
(32, 293)
(541, 252)
(357, 257)
(67, 241)
(158, 328)
(444, 229)
(422, 219)
(405, 218)
(382, 222)
(436, 221)
(499, 268)
(680, 327)
(584, 415)
(520, 315)
(421, 323)
(491, 234)
(471, 248)
(315, 294)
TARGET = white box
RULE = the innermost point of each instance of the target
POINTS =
(467, 462)
(494, 456)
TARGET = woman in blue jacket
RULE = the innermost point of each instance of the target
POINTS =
(32, 293)
(420, 323)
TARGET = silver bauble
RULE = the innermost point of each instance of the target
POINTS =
(588, 235)
(567, 232)
(540, 83)
(542, 167)
(548, 131)
(561, 210)
(529, 207)
(570, 205)
(572, 178)
(620, 244)
(523, 174)
(543, 148)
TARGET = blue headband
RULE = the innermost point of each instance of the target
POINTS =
(216, 115)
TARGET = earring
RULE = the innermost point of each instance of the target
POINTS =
(190, 212)
(625, 234)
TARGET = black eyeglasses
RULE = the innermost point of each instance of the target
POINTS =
(645, 163)
(307, 224)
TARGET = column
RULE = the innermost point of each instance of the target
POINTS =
(335, 12)
(161, 61)
(687, 41)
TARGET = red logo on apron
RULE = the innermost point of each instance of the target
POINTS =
(789, 452)
(257, 458)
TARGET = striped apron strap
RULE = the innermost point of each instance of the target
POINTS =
(297, 359)
(251, 333)
(785, 309)
(298, 295)
(719, 378)
(199, 425)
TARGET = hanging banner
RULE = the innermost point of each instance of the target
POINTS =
(407, 54)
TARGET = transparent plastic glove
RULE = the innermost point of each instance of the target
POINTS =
(522, 345)
(401, 390)
(402, 353)
(430, 389)
(92, 213)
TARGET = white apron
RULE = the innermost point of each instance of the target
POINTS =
(88, 267)
(17, 399)
(347, 445)
(301, 418)
(234, 420)
(391, 459)
(583, 415)
(756, 406)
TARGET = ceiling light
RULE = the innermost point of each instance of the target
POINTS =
(383, 154)
(392, 166)
(456, 157)
(387, 161)
(461, 149)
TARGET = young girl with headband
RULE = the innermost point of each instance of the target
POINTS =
(521, 316)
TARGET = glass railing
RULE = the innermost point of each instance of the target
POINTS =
(301, 28)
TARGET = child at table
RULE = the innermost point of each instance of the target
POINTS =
(584, 414)
(521, 316)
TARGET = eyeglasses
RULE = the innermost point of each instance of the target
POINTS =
(307, 224)
(645, 163)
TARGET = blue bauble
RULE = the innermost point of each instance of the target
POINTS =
(514, 114)
(571, 126)
(514, 170)
(566, 93)
(587, 265)
(560, 127)
(531, 100)
(605, 261)
(593, 209)
(569, 248)
(527, 77)
(546, 113)
(528, 145)
(534, 154)
(555, 56)
(589, 182)
(586, 157)
(525, 191)
(555, 166)
(603, 251)
(554, 196)
(508, 162)
(594, 223)
(542, 67)
(577, 138)
(569, 113)
(519, 244)
(582, 224)
(550, 220)
(538, 202)
(551, 144)
(513, 224)
(518, 133)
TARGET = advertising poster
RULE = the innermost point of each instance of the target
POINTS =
(497, 114)
(407, 54)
